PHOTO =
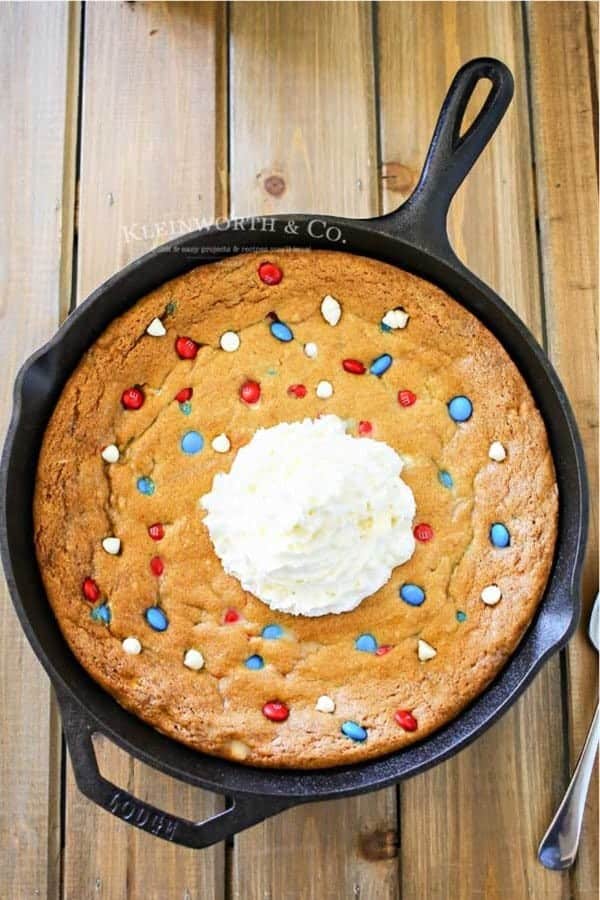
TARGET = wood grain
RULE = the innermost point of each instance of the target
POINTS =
(563, 117)
(302, 109)
(149, 165)
(463, 822)
(325, 851)
(306, 125)
(36, 46)
(149, 169)
(303, 113)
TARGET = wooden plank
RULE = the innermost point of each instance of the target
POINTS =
(303, 135)
(324, 851)
(151, 135)
(303, 138)
(563, 113)
(38, 45)
(471, 826)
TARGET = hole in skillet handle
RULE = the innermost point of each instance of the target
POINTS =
(481, 92)
(242, 813)
(421, 220)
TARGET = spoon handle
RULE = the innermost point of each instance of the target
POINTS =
(559, 845)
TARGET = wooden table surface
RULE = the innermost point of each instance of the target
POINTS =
(125, 123)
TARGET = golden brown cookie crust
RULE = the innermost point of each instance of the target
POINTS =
(80, 499)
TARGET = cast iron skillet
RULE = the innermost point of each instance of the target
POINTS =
(415, 238)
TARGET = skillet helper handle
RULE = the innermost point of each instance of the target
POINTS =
(451, 156)
(79, 730)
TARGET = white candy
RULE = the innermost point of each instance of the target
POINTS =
(324, 390)
(111, 545)
(395, 318)
(238, 749)
(193, 659)
(221, 444)
(425, 651)
(491, 595)
(156, 328)
(497, 451)
(325, 704)
(230, 342)
(132, 646)
(111, 454)
(331, 310)
(311, 349)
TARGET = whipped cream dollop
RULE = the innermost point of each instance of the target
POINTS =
(310, 519)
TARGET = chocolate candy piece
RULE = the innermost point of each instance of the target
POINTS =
(499, 535)
(460, 409)
(380, 365)
(412, 594)
(156, 618)
(354, 731)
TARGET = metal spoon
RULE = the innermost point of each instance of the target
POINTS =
(559, 845)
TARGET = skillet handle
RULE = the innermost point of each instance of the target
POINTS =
(421, 220)
(243, 813)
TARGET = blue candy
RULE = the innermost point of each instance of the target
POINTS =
(460, 409)
(354, 731)
(499, 535)
(156, 618)
(366, 643)
(102, 614)
(192, 442)
(272, 632)
(412, 594)
(145, 485)
(461, 616)
(445, 478)
(380, 365)
(255, 662)
(282, 332)
(185, 408)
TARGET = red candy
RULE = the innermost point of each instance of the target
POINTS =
(156, 531)
(423, 532)
(90, 590)
(276, 711)
(354, 366)
(365, 428)
(406, 720)
(385, 648)
(133, 398)
(297, 390)
(186, 348)
(184, 395)
(269, 273)
(157, 566)
(406, 398)
(250, 392)
(231, 615)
